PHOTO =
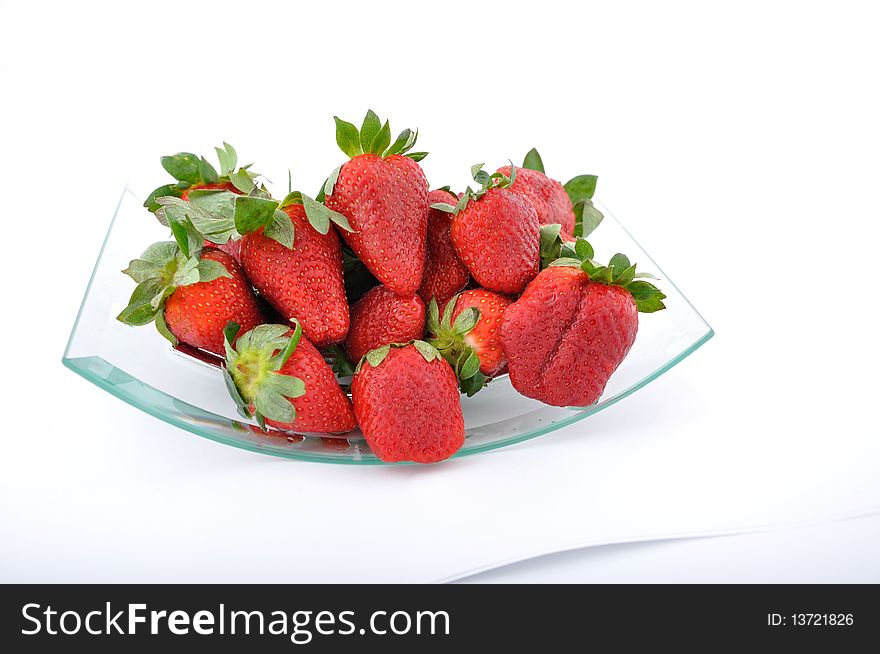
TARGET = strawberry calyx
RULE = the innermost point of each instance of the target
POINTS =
(252, 371)
(377, 355)
(192, 171)
(618, 272)
(374, 137)
(160, 270)
(447, 336)
(580, 190)
(487, 183)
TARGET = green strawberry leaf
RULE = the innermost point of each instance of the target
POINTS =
(286, 385)
(281, 229)
(583, 249)
(140, 309)
(625, 276)
(162, 328)
(166, 190)
(382, 140)
(141, 270)
(433, 318)
(228, 158)
(619, 262)
(565, 261)
(370, 127)
(470, 367)
(581, 188)
(341, 366)
(183, 166)
(242, 180)
(377, 356)
(137, 315)
(428, 351)
(647, 296)
(273, 405)
(406, 137)
(550, 243)
(587, 218)
(207, 173)
(330, 184)
(416, 156)
(471, 385)
(209, 270)
(533, 161)
(284, 355)
(348, 138)
(243, 409)
(252, 213)
(466, 321)
(320, 216)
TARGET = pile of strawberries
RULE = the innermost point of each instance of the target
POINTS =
(417, 295)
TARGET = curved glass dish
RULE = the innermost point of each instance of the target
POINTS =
(138, 366)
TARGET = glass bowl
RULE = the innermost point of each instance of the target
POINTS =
(138, 366)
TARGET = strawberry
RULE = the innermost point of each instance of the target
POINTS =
(380, 317)
(569, 206)
(196, 176)
(468, 335)
(573, 326)
(190, 297)
(407, 403)
(495, 233)
(384, 194)
(302, 279)
(445, 274)
(276, 376)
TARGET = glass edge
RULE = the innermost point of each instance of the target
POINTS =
(100, 256)
(318, 458)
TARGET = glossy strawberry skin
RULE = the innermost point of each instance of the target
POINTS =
(445, 274)
(485, 337)
(198, 313)
(386, 203)
(548, 196)
(324, 408)
(497, 238)
(409, 409)
(304, 282)
(566, 335)
(380, 317)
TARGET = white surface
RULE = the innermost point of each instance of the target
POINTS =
(738, 144)
(833, 552)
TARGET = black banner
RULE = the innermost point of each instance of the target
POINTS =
(104, 618)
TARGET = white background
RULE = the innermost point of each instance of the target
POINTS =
(739, 144)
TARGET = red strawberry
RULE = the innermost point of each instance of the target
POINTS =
(569, 206)
(548, 196)
(573, 327)
(190, 298)
(380, 317)
(456, 338)
(496, 234)
(276, 375)
(384, 194)
(445, 274)
(407, 403)
(303, 281)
